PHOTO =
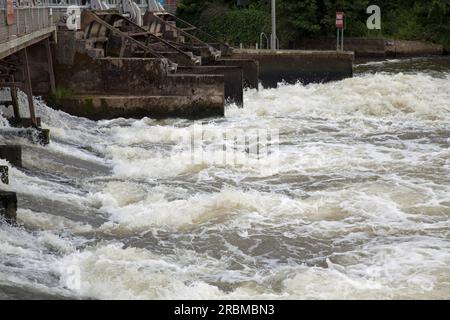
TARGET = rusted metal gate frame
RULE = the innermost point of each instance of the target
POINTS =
(198, 29)
(125, 37)
(190, 36)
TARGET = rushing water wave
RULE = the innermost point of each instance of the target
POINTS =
(355, 205)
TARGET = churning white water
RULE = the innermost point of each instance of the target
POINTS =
(353, 202)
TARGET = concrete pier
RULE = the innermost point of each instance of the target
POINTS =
(376, 48)
(233, 77)
(250, 69)
(111, 87)
(12, 154)
(109, 107)
(299, 66)
(8, 206)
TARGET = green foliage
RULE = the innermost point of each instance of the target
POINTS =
(228, 24)
(300, 19)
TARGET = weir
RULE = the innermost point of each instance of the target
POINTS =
(131, 59)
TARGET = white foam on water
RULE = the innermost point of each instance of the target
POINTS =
(415, 268)
(139, 210)
(418, 96)
(355, 206)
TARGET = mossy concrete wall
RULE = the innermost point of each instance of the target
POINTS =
(233, 77)
(93, 87)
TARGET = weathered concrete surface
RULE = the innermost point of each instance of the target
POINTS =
(8, 206)
(403, 48)
(250, 69)
(305, 66)
(129, 87)
(109, 107)
(233, 77)
(12, 154)
(362, 47)
(111, 75)
(375, 47)
(132, 76)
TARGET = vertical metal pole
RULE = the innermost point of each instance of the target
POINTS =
(342, 40)
(337, 39)
(51, 73)
(28, 89)
(273, 38)
(14, 100)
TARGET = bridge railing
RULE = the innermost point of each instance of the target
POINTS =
(27, 20)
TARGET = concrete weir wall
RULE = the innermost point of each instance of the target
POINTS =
(305, 66)
(233, 77)
(249, 67)
(106, 88)
(403, 48)
(375, 47)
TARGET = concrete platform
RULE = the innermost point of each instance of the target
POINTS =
(109, 106)
(249, 67)
(299, 66)
(108, 88)
(233, 77)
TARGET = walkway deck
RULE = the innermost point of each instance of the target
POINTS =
(31, 25)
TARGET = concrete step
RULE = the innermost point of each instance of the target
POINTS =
(99, 107)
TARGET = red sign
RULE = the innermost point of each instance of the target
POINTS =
(340, 20)
(10, 14)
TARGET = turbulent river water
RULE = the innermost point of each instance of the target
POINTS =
(353, 202)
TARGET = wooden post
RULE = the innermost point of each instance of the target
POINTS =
(27, 87)
(51, 73)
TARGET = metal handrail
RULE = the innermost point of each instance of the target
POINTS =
(28, 20)
(261, 40)
(186, 34)
(211, 37)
